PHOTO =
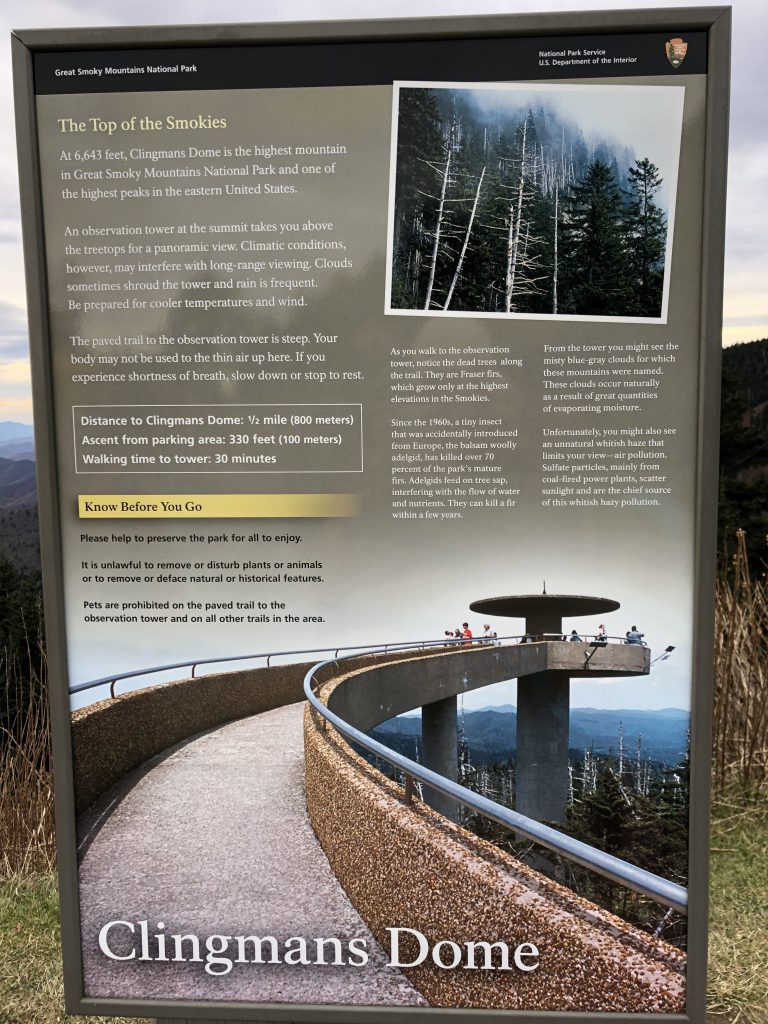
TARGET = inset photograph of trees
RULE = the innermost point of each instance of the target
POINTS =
(539, 202)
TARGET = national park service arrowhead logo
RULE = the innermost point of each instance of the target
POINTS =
(676, 51)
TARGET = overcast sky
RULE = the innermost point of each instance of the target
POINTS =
(746, 280)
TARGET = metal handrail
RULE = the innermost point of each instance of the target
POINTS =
(196, 662)
(113, 679)
(669, 894)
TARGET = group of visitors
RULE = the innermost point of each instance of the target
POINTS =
(465, 633)
(601, 637)
(633, 636)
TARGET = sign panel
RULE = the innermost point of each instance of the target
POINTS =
(393, 346)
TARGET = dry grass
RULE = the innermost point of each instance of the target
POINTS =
(740, 710)
(27, 840)
(31, 989)
(738, 934)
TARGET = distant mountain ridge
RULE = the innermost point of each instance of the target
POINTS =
(490, 733)
(11, 431)
(17, 440)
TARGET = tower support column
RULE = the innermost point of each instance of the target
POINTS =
(542, 746)
(439, 741)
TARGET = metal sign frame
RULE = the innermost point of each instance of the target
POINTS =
(26, 44)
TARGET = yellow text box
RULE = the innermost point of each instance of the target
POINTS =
(217, 506)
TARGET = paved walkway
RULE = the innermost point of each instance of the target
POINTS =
(213, 839)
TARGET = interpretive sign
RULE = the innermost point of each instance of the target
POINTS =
(375, 375)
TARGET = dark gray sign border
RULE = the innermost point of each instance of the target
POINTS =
(717, 22)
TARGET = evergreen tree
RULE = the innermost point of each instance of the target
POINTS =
(645, 239)
(606, 813)
(748, 364)
(660, 837)
(594, 279)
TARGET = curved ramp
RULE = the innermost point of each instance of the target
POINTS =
(460, 887)
(213, 838)
(393, 686)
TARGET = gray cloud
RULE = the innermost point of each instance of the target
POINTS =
(747, 211)
(14, 338)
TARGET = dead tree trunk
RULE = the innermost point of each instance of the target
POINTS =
(462, 254)
(554, 267)
(513, 237)
(436, 245)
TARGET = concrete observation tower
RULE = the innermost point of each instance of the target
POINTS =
(544, 668)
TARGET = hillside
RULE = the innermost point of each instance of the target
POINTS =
(18, 496)
(19, 537)
(747, 364)
(17, 483)
(744, 449)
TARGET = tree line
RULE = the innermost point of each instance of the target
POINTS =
(744, 455)
(621, 803)
(21, 642)
(515, 212)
